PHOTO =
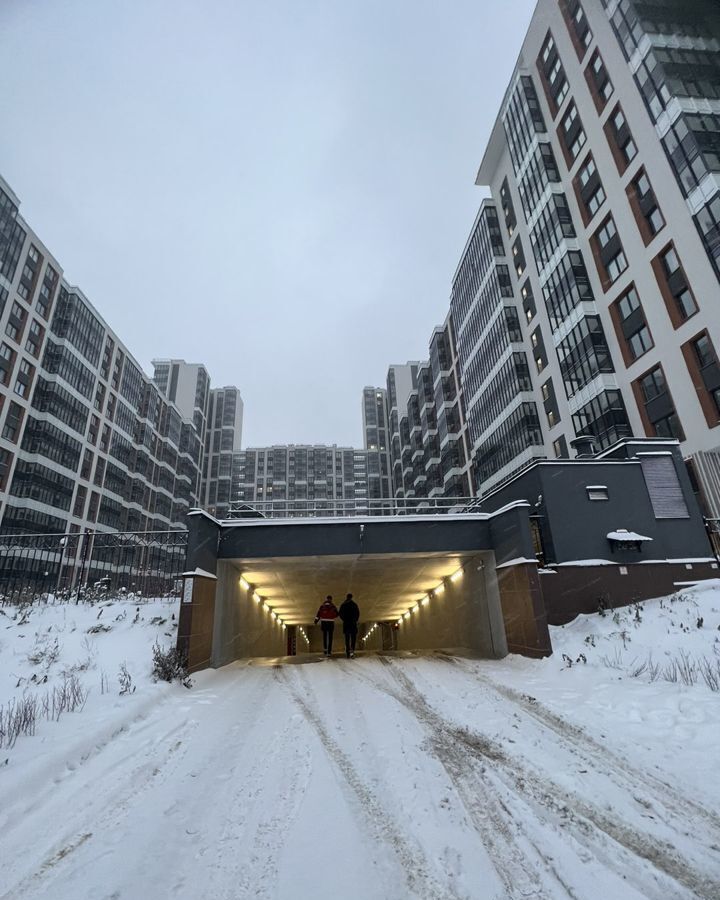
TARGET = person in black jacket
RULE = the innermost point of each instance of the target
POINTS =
(349, 612)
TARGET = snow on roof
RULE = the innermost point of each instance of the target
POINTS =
(518, 561)
(199, 573)
(622, 534)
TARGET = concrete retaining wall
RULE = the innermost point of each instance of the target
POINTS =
(242, 627)
(466, 615)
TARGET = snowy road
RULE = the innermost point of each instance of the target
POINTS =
(373, 778)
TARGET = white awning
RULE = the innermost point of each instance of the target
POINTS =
(624, 535)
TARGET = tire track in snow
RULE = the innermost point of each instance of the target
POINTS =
(95, 813)
(260, 820)
(602, 758)
(415, 868)
(500, 833)
(567, 808)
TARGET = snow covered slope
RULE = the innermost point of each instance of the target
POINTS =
(404, 777)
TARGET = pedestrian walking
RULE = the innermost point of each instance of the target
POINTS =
(326, 616)
(349, 612)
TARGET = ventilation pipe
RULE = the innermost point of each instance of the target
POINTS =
(584, 446)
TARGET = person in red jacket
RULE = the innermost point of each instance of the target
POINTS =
(326, 616)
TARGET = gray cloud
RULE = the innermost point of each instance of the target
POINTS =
(280, 190)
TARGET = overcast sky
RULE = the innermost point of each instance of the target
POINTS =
(279, 189)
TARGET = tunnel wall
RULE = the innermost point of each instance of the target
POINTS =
(467, 615)
(242, 627)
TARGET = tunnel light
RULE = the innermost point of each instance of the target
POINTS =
(406, 616)
(274, 615)
(425, 600)
(457, 576)
(440, 588)
(415, 608)
(399, 621)
(258, 599)
(245, 585)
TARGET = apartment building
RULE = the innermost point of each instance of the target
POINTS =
(87, 441)
(604, 169)
(428, 430)
(217, 414)
(376, 441)
(498, 393)
(292, 479)
(222, 440)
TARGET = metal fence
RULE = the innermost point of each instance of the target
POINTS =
(81, 566)
(713, 532)
(318, 508)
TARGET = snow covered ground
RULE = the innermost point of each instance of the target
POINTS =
(411, 776)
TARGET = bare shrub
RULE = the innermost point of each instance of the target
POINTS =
(710, 671)
(613, 662)
(638, 669)
(171, 665)
(687, 669)
(45, 652)
(20, 716)
(125, 680)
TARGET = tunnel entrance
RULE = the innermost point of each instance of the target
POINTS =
(451, 582)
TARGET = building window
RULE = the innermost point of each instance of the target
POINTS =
(702, 363)
(34, 339)
(528, 299)
(560, 448)
(518, 258)
(608, 251)
(552, 75)
(645, 206)
(674, 286)
(630, 325)
(572, 135)
(588, 189)
(13, 420)
(598, 80)
(577, 25)
(7, 358)
(620, 139)
(656, 405)
(6, 459)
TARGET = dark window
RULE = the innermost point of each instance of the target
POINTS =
(598, 80)
(577, 25)
(631, 325)
(609, 254)
(674, 286)
(13, 421)
(656, 405)
(571, 134)
(645, 206)
(552, 74)
(620, 139)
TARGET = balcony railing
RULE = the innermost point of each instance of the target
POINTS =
(320, 508)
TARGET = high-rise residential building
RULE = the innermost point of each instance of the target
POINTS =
(376, 439)
(297, 479)
(218, 416)
(504, 431)
(222, 439)
(87, 441)
(604, 168)
(428, 447)
(187, 385)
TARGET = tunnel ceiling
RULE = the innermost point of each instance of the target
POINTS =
(384, 586)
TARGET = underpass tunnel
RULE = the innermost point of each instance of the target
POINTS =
(451, 582)
(265, 607)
